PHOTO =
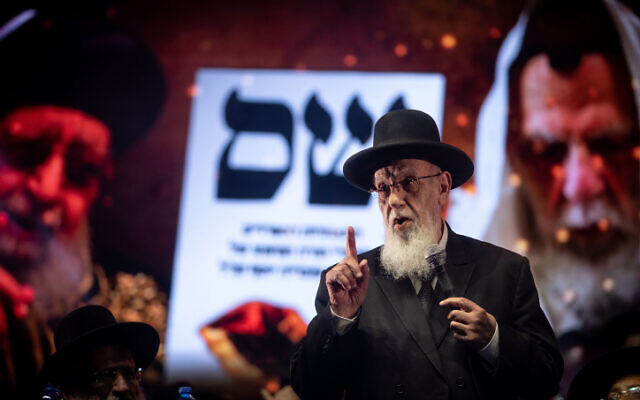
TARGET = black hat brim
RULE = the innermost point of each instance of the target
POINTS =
(359, 168)
(139, 338)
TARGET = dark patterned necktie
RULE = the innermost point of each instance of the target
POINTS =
(425, 294)
(436, 315)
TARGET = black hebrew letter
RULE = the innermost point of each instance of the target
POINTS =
(331, 188)
(257, 117)
(398, 104)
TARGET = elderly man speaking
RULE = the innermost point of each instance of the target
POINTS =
(431, 314)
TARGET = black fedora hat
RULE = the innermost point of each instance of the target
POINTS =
(403, 134)
(93, 326)
(595, 379)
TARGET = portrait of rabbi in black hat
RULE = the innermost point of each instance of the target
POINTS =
(430, 314)
(98, 358)
(75, 93)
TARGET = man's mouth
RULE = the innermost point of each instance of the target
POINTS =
(22, 228)
(401, 222)
(25, 227)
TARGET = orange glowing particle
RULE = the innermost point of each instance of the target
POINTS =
(562, 235)
(557, 171)
(608, 284)
(272, 386)
(597, 161)
(448, 41)
(494, 32)
(462, 120)
(515, 180)
(470, 188)
(603, 225)
(193, 91)
(636, 152)
(522, 245)
(350, 60)
(401, 50)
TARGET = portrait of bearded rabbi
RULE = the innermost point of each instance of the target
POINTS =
(75, 94)
(430, 314)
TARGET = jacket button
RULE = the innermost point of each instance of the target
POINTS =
(325, 347)
(399, 389)
(460, 382)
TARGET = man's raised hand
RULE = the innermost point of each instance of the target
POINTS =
(348, 281)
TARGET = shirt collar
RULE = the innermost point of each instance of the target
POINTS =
(445, 235)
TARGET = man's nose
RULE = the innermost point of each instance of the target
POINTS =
(397, 196)
(583, 177)
(120, 384)
(47, 180)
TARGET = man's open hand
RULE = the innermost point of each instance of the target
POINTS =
(470, 323)
(348, 281)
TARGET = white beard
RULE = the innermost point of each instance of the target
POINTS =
(579, 295)
(403, 254)
(63, 276)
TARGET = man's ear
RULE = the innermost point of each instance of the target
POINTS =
(444, 187)
(445, 182)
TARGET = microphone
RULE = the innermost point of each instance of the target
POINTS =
(436, 257)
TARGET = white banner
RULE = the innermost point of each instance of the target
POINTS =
(264, 205)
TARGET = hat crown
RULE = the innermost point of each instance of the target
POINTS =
(405, 126)
(81, 322)
(406, 134)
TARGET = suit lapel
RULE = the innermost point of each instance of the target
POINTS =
(459, 265)
(405, 303)
(401, 295)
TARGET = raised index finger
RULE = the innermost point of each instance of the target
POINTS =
(351, 250)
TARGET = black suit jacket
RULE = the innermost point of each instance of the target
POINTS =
(390, 352)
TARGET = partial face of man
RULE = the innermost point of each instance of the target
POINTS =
(627, 387)
(577, 153)
(51, 162)
(112, 375)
